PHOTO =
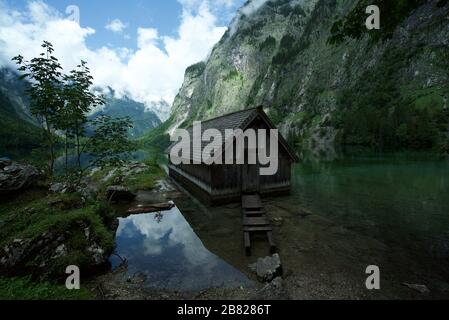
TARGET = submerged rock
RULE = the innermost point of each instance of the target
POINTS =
(272, 291)
(267, 268)
(15, 177)
(278, 222)
(421, 288)
(119, 193)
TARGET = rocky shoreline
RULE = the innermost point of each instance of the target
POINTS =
(49, 226)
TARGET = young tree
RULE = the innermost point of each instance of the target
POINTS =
(79, 101)
(44, 73)
(110, 144)
(62, 103)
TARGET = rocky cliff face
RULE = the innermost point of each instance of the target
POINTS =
(364, 90)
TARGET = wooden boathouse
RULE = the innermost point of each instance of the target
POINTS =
(223, 183)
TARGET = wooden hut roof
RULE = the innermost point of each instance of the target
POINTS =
(237, 120)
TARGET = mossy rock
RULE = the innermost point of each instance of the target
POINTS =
(41, 240)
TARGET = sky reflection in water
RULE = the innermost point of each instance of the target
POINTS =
(165, 248)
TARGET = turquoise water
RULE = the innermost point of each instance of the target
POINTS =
(400, 199)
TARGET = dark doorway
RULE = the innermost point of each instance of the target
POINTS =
(250, 179)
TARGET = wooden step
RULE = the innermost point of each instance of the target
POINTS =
(256, 221)
(251, 202)
(254, 210)
(253, 213)
(257, 228)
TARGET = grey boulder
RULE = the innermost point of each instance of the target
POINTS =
(267, 268)
(15, 177)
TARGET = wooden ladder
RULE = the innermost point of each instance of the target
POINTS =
(255, 221)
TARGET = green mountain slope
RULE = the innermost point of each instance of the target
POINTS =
(143, 119)
(18, 131)
(384, 90)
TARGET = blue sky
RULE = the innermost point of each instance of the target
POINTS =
(164, 15)
(140, 48)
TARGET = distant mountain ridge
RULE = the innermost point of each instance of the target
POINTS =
(144, 118)
(19, 130)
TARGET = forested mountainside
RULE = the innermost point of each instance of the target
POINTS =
(324, 78)
(18, 130)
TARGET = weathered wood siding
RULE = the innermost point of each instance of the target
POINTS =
(283, 176)
(226, 177)
(199, 171)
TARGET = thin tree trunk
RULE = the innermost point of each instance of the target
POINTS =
(50, 145)
(66, 153)
(52, 153)
(78, 148)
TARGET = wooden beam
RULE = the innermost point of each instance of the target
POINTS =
(151, 208)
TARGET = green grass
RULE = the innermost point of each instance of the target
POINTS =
(145, 180)
(25, 289)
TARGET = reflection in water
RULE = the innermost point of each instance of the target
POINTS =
(166, 250)
(401, 199)
(158, 217)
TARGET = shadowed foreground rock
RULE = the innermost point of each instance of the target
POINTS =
(119, 193)
(47, 254)
(15, 177)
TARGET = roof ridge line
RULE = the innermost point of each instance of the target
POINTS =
(227, 115)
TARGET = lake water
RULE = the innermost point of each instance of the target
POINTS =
(400, 199)
(165, 249)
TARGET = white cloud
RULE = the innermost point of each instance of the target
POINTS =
(248, 9)
(252, 7)
(152, 72)
(146, 37)
(116, 26)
